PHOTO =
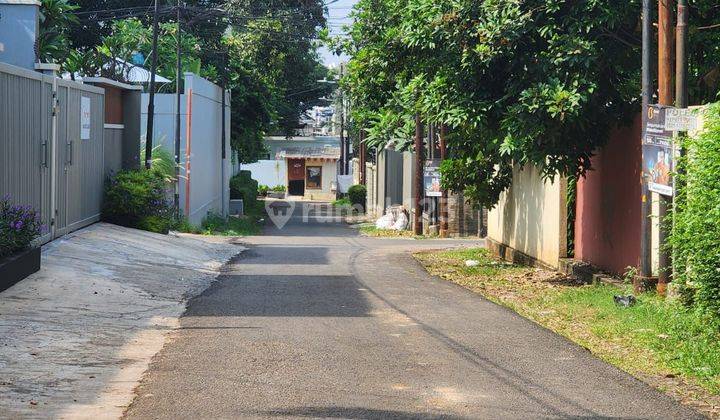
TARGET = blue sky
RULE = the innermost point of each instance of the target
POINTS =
(338, 11)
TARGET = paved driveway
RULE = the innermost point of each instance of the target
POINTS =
(315, 321)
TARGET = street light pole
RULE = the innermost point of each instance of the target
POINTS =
(151, 101)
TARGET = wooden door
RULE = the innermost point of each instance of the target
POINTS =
(296, 169)
(296, 176)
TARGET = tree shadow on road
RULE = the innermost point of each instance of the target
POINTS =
(281, 296)
(356, 413)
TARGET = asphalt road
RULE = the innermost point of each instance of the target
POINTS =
(316, 321)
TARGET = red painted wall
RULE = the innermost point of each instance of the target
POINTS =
(607, 223)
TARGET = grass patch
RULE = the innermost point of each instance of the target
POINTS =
(658, 340)
(372, 230)
(230, 226)
(342, 202)
(346, 207)
(215, 224)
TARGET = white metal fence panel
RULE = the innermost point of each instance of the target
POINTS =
(25, 139)
(45, 160)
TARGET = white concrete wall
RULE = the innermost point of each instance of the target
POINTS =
(209, 175)
(355, 170)
(344, 182)
(408, 182)
(531, 217)
(371, 184)
(268, 172)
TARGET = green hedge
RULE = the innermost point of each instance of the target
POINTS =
(137, 199)
(357, 195)
(695, 237)
(242, 186)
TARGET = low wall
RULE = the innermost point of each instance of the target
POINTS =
(530, 218)
(463, 219)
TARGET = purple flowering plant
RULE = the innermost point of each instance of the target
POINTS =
(19, 226)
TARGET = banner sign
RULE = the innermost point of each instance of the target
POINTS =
(431, 178)
(658, 154)
(680, 119)
(84, 118)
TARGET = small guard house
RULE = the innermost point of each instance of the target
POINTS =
(311, 171)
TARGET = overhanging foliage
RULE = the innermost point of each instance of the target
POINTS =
(517, 82)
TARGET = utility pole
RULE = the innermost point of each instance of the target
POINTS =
(681, 63)
(342, 139)
(417, 217)
(665, 53)
(665, 97)
(681, 71)
(444, 197)
(178, 73)
(151, 102)
(343, 154)
(223, 139)
(363, 156)
(646, 204)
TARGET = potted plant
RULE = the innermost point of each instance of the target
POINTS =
(263, 190)
(19, 227)
(277, 191)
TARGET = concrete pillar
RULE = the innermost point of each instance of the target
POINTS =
(49, 69)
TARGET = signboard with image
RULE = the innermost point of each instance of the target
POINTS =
(431, 178)
(658, 152)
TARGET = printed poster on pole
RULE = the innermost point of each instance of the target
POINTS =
(658, 152)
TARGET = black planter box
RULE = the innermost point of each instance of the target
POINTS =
(18, 266)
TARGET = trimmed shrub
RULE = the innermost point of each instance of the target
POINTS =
(695, 238)
(19, 226)
(242, 186)
(136, 198)
(357, 195)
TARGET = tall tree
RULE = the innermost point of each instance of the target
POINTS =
(264, 51)
(518, 82)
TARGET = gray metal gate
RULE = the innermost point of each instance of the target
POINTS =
(44, 162)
